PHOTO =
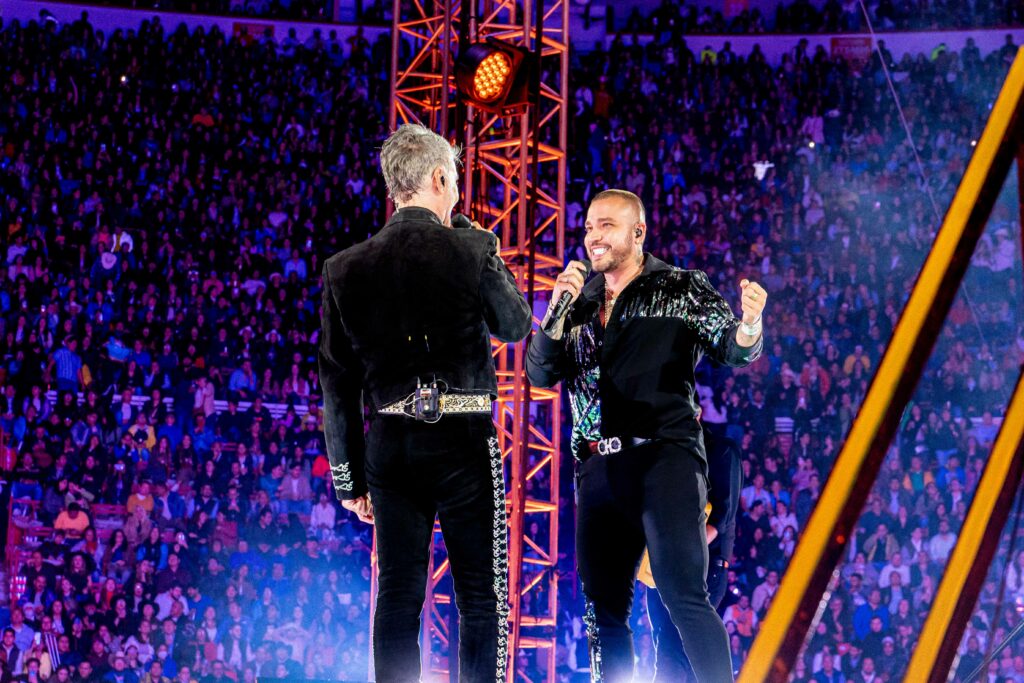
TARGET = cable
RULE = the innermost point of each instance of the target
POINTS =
(990, 651)
(970, 305)
(899, 110)
(917, 158)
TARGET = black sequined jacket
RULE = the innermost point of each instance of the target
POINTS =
(417, 300)
(635, 377)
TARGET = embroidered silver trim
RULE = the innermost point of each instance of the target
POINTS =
(447, 403)
(500, 551)
(341, 474)
(465, 403)
(594, 641)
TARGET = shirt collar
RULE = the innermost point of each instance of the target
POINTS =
(594, 289)
(414, 213)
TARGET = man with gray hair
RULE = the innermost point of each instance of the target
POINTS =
(406, 321)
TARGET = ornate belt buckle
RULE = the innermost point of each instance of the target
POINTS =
(609, 446)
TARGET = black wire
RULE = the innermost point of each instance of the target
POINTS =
(991, 652)
(917, 159)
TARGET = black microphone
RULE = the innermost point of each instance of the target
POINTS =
(461, 222)
(562, 305)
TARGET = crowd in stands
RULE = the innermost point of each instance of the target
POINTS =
(166, 205)
(669, 17)
(168, 199)
(801, 174)
(303, 10)
(677, 17)
(325, 11)
(309, 10)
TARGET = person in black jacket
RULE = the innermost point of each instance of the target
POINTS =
(407, 320)
(725, 479)
(628, 348)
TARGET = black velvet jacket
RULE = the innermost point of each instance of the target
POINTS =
(635, 377)
(417, 300)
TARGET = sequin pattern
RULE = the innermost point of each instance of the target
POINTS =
(683, 294)
(594, 643)
(584, 395)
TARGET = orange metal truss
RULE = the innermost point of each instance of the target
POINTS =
(514, 184)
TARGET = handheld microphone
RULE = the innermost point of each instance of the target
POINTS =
(561, 307)
(461, 222)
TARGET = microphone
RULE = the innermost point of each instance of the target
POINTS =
(561, 307)
(461, 222)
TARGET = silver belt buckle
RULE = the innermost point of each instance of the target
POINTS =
(609, 446)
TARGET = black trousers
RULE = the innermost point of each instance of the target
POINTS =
(451, 470)
(654, 496)
(672, 666)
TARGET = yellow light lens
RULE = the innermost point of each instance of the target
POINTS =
(491, 76)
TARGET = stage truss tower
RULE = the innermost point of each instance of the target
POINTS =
(514, 184)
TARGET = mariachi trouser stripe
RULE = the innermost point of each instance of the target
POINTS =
(500, 551)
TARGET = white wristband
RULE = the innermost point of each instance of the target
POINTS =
(751, 330)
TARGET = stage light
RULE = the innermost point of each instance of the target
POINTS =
(811, 144)
(491, 76)
(494, 75)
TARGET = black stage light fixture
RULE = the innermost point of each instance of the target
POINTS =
(494, 75)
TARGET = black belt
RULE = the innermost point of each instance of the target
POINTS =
(614, 444)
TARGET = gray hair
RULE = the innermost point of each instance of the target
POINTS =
(409, 155)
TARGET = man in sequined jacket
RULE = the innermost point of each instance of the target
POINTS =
(628, 348)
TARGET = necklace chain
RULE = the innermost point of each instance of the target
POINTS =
(609, 298)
